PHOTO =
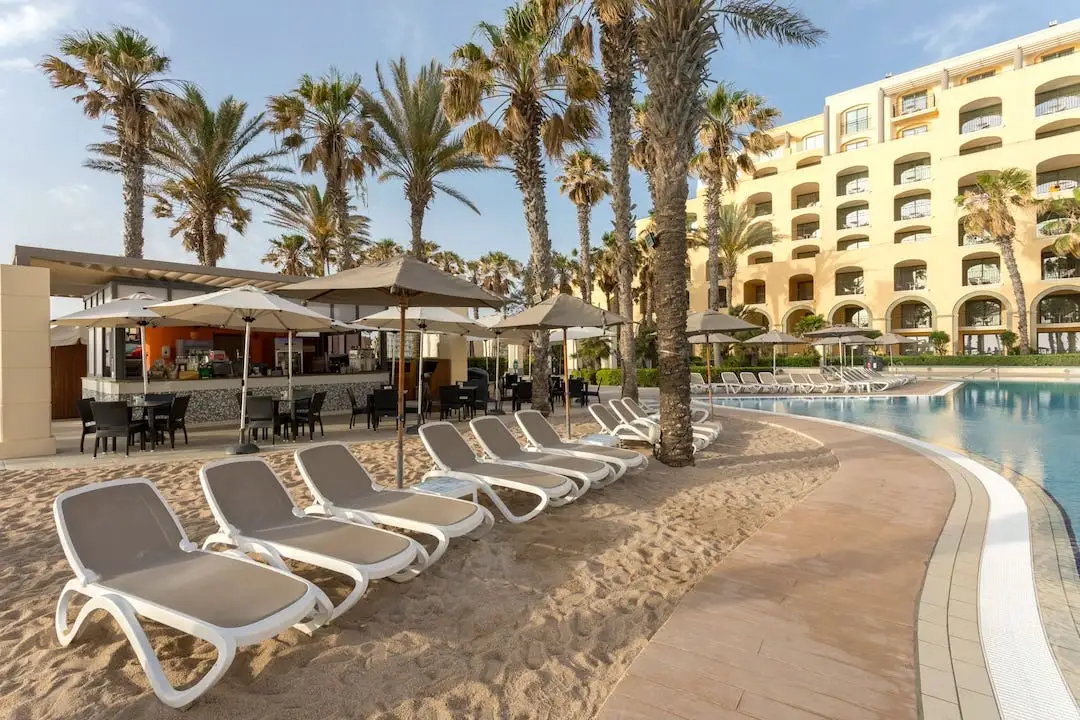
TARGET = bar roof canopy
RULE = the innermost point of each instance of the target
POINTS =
(77, 274)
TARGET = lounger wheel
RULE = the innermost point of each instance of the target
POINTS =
(125, 617)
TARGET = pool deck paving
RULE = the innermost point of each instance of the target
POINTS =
(824, 612)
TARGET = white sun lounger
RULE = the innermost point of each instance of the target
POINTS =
(829, 385)
(256, 514)
(631, 415)
(750, 380)
(706, 431)
(501, 446)
(542, 436)
(698, 386)
(789, 386)
(343, 489)
(733, 385)
(613, 426)
(132, 558)
(454, 458)
(771, 383)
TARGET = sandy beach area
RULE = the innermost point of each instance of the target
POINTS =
(532, 621)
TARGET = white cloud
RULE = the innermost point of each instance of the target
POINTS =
(954, 33)
(26, 21)
(17, 64)
(72, 195)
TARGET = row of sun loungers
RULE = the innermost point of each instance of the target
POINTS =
(845, 380)
(131, 557)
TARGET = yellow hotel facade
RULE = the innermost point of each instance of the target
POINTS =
(861, 198)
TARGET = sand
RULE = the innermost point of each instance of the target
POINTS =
(532, 621)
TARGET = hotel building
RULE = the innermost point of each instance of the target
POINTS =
(861, 198)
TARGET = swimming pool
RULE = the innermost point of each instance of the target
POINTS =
(1029, 427)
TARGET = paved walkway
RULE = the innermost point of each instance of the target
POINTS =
(815, 616)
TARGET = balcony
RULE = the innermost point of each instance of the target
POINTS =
(908, 174)
(1060, 181)
(762, 209)
(808, 231)
(814, 142)
(912, 209)
(967, 239)
(1055, 101)
(809, 200)
(1052, 227)
(913, 105)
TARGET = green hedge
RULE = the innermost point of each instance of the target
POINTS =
(1063, 359)
(650, 377)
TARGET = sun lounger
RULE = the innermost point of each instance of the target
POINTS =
(828, 384)
(803, 381)
(732, 384)
(132, 558)
(708, 430)
(500, 445)
(782, 383)
(542, 436)
(632, 415)
(612, 425)
(256, 514)
(867, 383)
(771, 384)
(750, 380)
(343, 489)
(698, 386)
(454, 458)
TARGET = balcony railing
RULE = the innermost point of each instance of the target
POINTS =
(982, 122)
(817, 142)
(969, 239)
(1058, 101)
(1051, 227)
(910, 212)
(1052, 186)
(762, 209)
(986, 278)
(908, 285)
(809, 234)
(919, 173)
(913, 105)
(849, 223)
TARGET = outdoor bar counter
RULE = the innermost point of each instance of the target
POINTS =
(214, 400)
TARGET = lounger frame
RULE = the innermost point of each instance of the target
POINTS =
(532, 443)
(585, 480)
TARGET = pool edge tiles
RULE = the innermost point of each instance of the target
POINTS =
(1028, 683)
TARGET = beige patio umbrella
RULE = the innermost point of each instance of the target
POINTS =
(711, 324)
(891, 339)
(708, 340)
(131, 311)
(403, 282)
(774, 338)
(423, 320)
(561, 312)
(522, 336)
(840, 332)
(244, 308)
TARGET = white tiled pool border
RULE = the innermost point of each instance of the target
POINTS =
(1027, 682)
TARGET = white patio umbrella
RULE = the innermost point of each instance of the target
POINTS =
(131, 311)
(776, 339)
(491, 323)
(244, 307)
(421, 320)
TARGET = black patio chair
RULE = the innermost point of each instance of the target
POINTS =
(86, 416)
(356, 409)
(586, 393)
(482, 396)
(175, 420)
(384, 404)
(577, 391)
(522, 394)
(307, 414)
(450, 401)
(113, 420)
(261, 415)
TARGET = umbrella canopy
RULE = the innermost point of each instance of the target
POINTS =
(581, 333)
(714, 321)
(894, 339)
(427, 319)
(561, 312)
(391, 282)
(242, 307)
(835, 331)
(774, 337)
(131, 311)
(510, 336)
(848, 340)
(713, 338)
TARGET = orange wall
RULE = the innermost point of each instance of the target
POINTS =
(262, 343)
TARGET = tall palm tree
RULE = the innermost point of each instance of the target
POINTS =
(310, 212)
(415, 142)
(323, 120)
(564, 271)
(541, 91)
(737, 233)
(289, 254)
(119, 75)
(384, 249)
(585, 182)
(989, 210)
(606, 265)
(1066, 230)
(675, 39)
(498, 272)
(734, 130)
(448, 261)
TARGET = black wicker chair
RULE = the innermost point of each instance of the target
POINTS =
(86, 416)
(113, 420)
(175, 420)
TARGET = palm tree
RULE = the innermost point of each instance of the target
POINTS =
(606, 266)
(541, 91)
(385, 249)
(736, 234)
(289, 254)
(415, 141)
(674, 40)
(497, 272)
(310, 213)
(989, 210)
(585, 182)
(324, 121)
(564, 271)
(1066, 229)
(734, 130)
(118, 75)
(448, 261)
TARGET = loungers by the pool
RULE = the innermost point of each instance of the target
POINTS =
(542, 436)
(698, 418)
(132, 558)
(501, 446)
(632, 416)
(343, 489)
(613, 426)
(256, 514)
(454, 458)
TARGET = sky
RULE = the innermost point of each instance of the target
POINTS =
(252, 49)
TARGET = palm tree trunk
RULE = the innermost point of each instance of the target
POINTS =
(529, 173)
(416, 224)
(133, 176)
(1008, 255)
(207, 240)
(341, 219)
(712, 234)
(617, 54)
(584, 261)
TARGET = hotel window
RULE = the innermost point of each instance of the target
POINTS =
(856, 120)
(763, 208)
(1056, 54)
(857, 145)
(756, 294)
(914, 171)
(982, 272)
(1053, 101)
(853, 184)
(1060, 310)
(980, 76)
(912, 236)
(852, 218)
(982, 313)
(853, 244)
(917, 130)
(849, 283)
(982, 344)
(914, 316)
(807, 200)
(806, 254)
(811, 142)
(804, 290)
(910, 208)
(1059, 267)
(982, 118)
(913, 102)
(1050, 181)
(909, 278)
(805, 231)
(1050, 343)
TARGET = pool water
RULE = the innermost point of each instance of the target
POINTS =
(1029, 427)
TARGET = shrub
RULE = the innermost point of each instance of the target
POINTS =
(1061, 360)
(940, 340)
(609, 376)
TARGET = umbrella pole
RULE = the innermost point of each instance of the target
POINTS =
(290, 366)
(708, 371)
(566, 380)
(774, 359)
(142, 358)
(419, 381)
(245, 448)
(498, 386)
(401, 399)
